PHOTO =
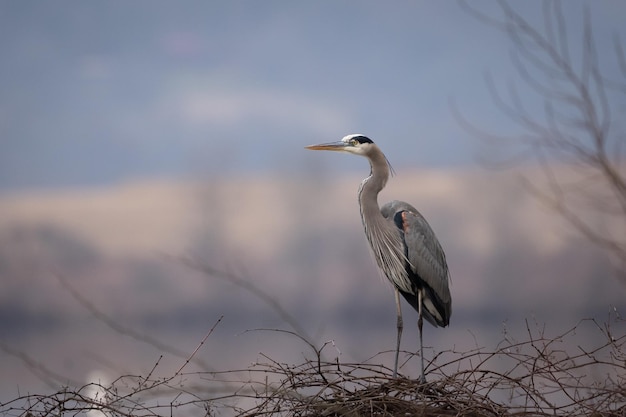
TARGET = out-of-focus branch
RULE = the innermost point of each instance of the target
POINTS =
(572, 129)
(250, 287)
(50, 378)
(124, 330)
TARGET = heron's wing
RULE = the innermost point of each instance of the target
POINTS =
(426, 257)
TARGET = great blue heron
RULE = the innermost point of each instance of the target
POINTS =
(403, 244)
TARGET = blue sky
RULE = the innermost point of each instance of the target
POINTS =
(104, 92)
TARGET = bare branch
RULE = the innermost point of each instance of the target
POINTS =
(575, 127)
(537, 375)
(248, 286)
(50, 378)
(123, 330)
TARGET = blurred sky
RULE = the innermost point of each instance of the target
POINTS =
(103, 92)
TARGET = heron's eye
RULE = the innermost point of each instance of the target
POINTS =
(354, 142)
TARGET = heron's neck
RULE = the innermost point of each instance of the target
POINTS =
(372, 185)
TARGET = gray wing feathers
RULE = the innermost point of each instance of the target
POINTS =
(424, 251)
(426, 255)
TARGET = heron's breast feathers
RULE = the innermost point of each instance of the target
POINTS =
(388, 251)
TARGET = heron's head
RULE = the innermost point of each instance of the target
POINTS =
(356, 143)
(359, 145)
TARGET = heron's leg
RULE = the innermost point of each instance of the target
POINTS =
(420, 323)
(399, 327)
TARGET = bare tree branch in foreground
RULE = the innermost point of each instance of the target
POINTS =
(537, 376)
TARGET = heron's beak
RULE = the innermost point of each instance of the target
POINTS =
(333, 146)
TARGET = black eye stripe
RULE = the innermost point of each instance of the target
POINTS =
(362, 139)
